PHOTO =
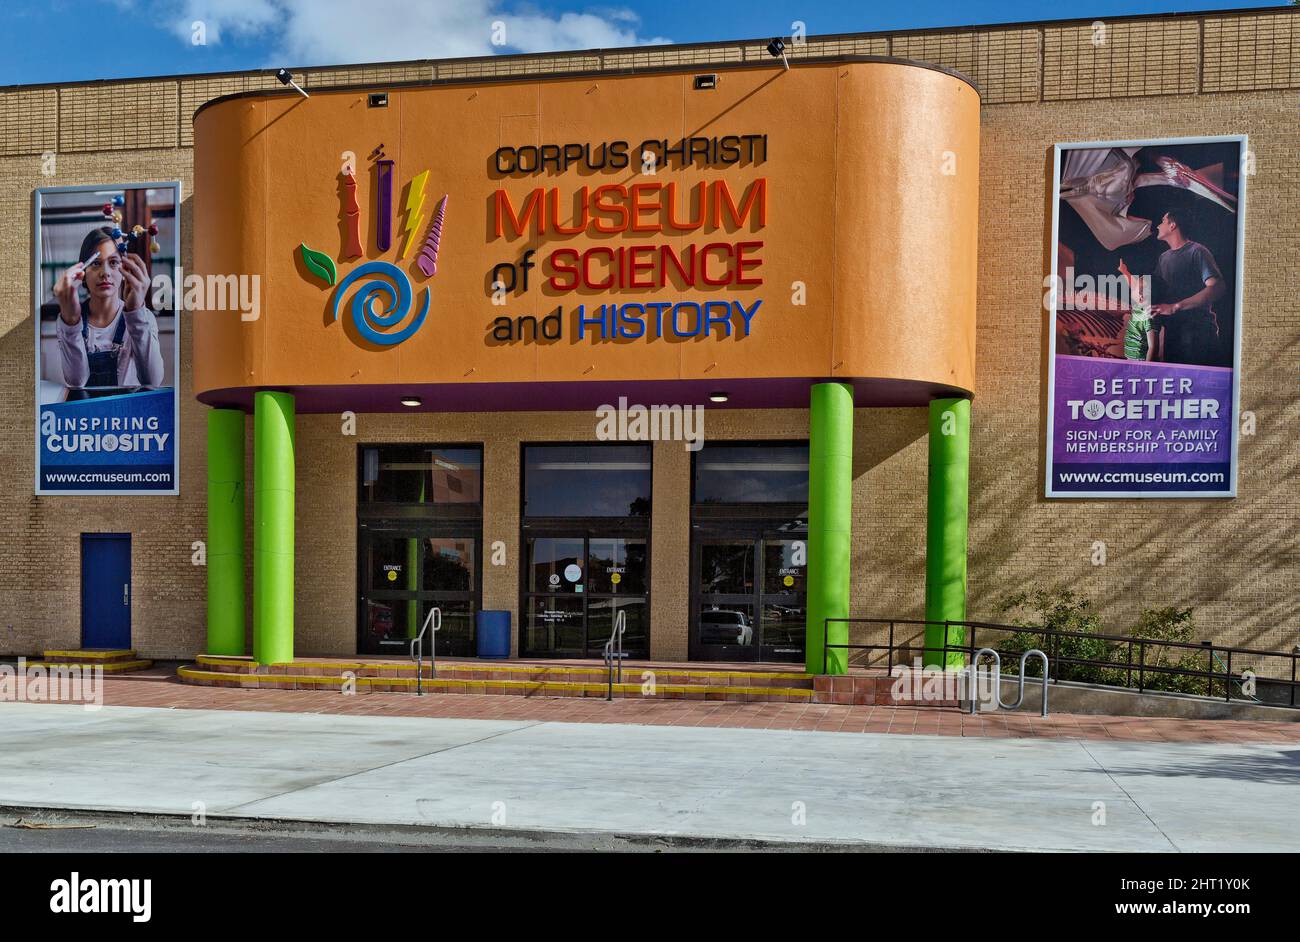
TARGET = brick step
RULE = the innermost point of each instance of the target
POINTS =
(479, 671)
(393, 683)
(908, 688)
(108, 667)
(89, 655)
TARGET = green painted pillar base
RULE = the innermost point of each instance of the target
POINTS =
(225, 549)
(945, 531)
(830, 516)
(273, 494)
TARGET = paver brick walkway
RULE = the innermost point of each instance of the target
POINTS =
(159, 688)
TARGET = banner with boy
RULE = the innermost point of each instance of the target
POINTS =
(1145, 308)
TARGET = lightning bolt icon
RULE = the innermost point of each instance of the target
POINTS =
(414, 205)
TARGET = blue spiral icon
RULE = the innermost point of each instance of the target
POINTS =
(364, 316)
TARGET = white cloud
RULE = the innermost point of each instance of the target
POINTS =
(239, 18)
(536, 33)
(330, 32)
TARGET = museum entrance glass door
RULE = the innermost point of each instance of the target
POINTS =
(586, 543)
(749, 531)
(419, 525)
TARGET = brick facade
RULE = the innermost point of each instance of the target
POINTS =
(1235, 561)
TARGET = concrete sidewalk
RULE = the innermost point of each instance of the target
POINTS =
(782, 785)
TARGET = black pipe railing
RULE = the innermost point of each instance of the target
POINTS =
(1051, 642)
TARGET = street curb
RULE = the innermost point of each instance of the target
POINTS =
(432, 835)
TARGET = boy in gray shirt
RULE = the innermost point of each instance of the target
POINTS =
(1188, 282)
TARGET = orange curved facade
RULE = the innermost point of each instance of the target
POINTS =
(858, 240)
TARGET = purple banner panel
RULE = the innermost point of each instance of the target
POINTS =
(1125, 426)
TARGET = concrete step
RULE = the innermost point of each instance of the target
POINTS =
(482, 671)
(89, 655)
(502, 684)
(108, 667)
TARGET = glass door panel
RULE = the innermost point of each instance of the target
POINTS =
(555, 619)
(617, 574)
(390, 614)
(726, 567)
(390, 563)
(555, 626)
(784, 606)
(729, 625)
(388, 625)
(749, 596)
(448, 564)
(574, 584)
(456, 637)
(555, 564)
(724, 626)
(616, 566)
(405, 571)
(600, 625)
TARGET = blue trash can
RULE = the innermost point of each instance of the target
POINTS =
(493, 631)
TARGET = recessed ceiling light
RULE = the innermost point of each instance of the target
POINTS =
(412, 401)
(718, 397)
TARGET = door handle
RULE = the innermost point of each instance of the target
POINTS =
(126, 598)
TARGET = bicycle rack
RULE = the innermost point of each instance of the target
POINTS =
(997, 679)
(417, 649)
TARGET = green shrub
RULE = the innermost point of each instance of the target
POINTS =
(1061, 609)
(1171, 624)
(1058, 609)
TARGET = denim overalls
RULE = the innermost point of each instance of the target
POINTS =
(103, 365)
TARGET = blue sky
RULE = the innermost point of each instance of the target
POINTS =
(63, 40)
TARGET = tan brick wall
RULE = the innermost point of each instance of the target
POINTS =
(40, 552)
(1235, 561)
(670, 549)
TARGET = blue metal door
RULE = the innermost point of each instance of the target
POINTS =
(106, 590)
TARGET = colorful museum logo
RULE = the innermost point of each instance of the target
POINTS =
(385, 297)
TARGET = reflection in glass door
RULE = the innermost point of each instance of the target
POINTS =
(726, 585)
(575, 584)
(749, 598)
(406, 568)
(783, 598)
(555, 618)
(419, 521)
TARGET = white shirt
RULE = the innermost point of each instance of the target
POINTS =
(139, 362)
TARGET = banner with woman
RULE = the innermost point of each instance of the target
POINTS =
(107, 350)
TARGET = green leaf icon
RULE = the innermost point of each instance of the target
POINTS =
(319, 264)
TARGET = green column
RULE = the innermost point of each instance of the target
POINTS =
(830, 516)
(225, 531)
(273, 487)
(945, 531)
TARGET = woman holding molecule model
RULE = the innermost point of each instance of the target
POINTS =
(110, 338)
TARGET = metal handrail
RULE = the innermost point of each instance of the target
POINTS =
(997, 679)
(1123, 648)
(620, 626)
(1228, 672)
(1053, 632)
(417, 650)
